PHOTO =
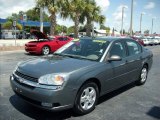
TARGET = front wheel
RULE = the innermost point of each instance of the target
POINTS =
(143, 75)
(86, 98)
(45, 50)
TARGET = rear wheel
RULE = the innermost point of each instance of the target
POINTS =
(143, 75)
(45, 50)
(86, 98)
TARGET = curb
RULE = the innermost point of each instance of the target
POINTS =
(7, 52)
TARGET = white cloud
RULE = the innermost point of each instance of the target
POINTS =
(149, 5)
(104, 4)
(118, 13)
(117, 16)
(14, 6)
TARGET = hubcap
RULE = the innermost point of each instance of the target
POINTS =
(143, 75)
(88, 98)
(45, 50)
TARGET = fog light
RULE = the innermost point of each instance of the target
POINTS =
(11, 77)
(46, 104)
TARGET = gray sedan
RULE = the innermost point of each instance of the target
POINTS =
(80, 72)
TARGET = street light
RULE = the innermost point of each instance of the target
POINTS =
(131, 22)
(141, 21)
(14, 25)
(41, 19)
(152, 26)
(122, 19)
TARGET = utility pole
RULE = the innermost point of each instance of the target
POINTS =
(122, 19)
(141, 22)
(92, 29)
(14, 25)
(41, 19)
(152, 26)
(131, 22)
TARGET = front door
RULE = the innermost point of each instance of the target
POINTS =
(119, 77)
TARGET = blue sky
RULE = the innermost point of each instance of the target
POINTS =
(110, 8)
(151, 8)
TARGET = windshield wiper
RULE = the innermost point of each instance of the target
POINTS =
(73, 56)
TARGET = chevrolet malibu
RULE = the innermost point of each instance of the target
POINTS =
(77, 74)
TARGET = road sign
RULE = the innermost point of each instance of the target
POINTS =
(14, 23)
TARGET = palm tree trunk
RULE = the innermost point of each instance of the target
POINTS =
(53, 24)
(76, 27)
(88, 28)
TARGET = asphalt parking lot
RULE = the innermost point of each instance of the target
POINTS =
(128, 103)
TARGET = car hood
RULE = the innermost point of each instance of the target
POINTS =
(39, 35)
(56, 64)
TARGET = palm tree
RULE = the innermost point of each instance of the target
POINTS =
(52, 6)
(73, 9)
(91, 13)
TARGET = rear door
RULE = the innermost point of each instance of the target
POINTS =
(134, 59)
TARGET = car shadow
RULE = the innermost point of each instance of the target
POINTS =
(29, 54)
(154, 112)
(115, 93)
(36, 113)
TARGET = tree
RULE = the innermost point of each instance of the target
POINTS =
(105, 28)
(91, 13)
(70, 30)
(9, 25)
(72, 9)
(34, 14)
(52, 6)
(146, 32)
(124, 32)
(60, 29)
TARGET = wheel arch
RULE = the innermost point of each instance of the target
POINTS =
(44, 46)
(94, 80)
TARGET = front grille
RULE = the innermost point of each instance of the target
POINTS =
(26, 77)
(31, 45)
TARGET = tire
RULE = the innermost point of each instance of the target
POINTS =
(85, 102)
(45, 50)
(143, 75)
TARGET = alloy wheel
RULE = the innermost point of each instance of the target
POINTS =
(45, 50)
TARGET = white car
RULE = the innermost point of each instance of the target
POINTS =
(146, 41)
(156, 41)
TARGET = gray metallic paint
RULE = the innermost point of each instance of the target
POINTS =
(111, 75)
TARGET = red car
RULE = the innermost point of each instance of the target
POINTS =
(45, 45)
(138, 40)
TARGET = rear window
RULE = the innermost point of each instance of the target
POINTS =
(133, 48)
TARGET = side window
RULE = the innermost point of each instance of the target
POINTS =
(118, 49)
(60, 38)
(133, 48)
(65, 38)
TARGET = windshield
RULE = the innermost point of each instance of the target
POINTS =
(91, 49)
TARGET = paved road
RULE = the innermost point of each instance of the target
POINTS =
(128, 103)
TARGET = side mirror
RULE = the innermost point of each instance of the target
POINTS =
(114, 58)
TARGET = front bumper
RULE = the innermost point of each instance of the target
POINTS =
(61, 98)
(35, 50)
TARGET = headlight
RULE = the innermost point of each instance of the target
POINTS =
(53, 79)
